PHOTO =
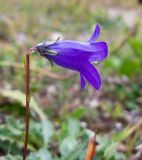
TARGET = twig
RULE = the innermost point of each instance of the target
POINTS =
(27, 68)
(91, 148)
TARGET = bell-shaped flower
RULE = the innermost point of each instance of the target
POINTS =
(77, 56)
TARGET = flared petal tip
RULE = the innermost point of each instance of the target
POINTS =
(95, 34)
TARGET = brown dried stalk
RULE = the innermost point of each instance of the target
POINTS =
(27, 84)
(91, 148)
(27, 68)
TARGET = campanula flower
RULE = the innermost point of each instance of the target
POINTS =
(77, 56)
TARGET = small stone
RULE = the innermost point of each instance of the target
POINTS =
(52, 90)
(94, 103)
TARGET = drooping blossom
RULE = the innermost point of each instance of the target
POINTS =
(77, 56)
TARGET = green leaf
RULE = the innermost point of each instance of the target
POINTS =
(67, 145)
(43, 130)
(20, 97)
(78, 152)
(47, 130)
(11, 135)
(10, 130)
(73, 127)
(136, 45)
(119, 156)
(110, 150)
(124, 133)
(129, 66)
(10, 157)
(42, 154)
(79, 112)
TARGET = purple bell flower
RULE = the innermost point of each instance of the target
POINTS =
(77, 56)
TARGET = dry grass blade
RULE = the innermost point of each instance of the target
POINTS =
(91, 148)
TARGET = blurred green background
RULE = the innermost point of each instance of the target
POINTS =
(62, 117)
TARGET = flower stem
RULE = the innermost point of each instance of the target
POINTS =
(27, 83)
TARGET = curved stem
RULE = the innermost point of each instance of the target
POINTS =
(27, 68)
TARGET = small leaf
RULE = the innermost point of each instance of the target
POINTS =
(79, 112)
(110, 150)
(47, 130)
(129, 66)
(20, 97)
(10, 157)
(67, 145)
(73, 127)
(42, 154)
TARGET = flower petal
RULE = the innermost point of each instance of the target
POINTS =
(101, 52)
(92, 75)
(95, 35)
(82, 82)
(93, 52)
(68, 44)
